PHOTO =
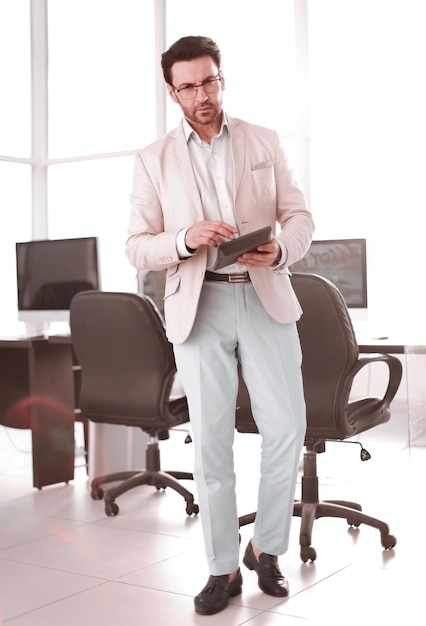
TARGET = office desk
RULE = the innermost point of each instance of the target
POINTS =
(37, 391)
(111, 448)
(384, 347)
(411, 350)
(398, 340)
(38, 386)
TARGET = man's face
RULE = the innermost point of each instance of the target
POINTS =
(204, 108)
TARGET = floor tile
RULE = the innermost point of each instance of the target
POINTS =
(95, 550)
(373, 594)
(116, 603)
(25, 588)
(62, 559)
(23, 528)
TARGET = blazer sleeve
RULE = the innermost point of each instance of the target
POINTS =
(147, 245)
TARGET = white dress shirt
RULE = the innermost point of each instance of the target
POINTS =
(214, 173)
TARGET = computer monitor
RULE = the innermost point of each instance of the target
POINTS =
(344, 262)
(49, 273)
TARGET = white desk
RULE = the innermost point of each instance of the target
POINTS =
(410, 346)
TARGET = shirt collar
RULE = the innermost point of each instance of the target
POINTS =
(188, 130)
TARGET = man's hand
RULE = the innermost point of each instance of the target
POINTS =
(208, 234)
(265, 255)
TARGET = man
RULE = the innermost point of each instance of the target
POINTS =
(208, 181)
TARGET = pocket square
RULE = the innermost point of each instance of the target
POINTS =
(261, 166)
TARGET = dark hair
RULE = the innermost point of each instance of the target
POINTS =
(186, 49)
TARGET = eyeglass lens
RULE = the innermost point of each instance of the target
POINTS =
(210, 86)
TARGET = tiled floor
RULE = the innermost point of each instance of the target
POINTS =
(64, 562)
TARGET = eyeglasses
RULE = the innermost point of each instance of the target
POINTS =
(212, 85)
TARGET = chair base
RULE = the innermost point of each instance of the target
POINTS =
(152, 475)
(309, 512)
(310, 508)
(351, 511)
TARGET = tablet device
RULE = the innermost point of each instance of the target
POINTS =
(230, 250)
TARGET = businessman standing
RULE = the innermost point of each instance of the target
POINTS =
(210, 180)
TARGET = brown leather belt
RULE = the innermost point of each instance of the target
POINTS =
(228, 278)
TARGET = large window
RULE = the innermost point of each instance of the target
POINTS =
(15, 145)
(72, 171)
(15, 203)
(367, 138)
(15, 79)
(257, 42)
(102, 107)
(101, 76)
(95, 202)
(341, 80)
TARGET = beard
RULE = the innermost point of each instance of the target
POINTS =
(204, 114)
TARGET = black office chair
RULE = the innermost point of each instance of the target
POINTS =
(330, 363)
(127, 373)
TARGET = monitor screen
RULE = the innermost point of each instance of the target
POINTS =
(50, 272)
(344, 262)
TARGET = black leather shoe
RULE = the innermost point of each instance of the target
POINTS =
(270, 579)
(215, 595)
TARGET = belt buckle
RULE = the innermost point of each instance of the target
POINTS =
(238, 278)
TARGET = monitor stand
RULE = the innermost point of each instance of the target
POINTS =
(37, 329)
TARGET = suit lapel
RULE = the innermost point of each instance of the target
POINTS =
(238, 149)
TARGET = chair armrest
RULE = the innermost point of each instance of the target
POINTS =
(395, 373)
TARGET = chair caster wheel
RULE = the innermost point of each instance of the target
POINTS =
(97, 494)
(388, 541)
(111, 509)
(192, 508)
(308, 553)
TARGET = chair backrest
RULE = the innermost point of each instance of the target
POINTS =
(127, 363)
(330, 357)
(330, 352)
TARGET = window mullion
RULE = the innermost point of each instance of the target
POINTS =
(39, 103)
(160, 44)
(302, 69)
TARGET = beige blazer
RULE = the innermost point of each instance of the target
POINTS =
(165, 199)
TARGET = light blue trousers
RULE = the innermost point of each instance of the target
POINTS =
(232, 325)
